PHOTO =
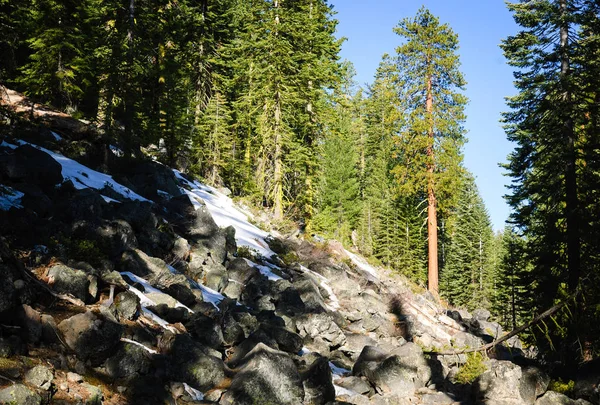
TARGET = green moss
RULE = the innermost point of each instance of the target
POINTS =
(289, 258)
(472, 369)
(562, 387)
(246, 252)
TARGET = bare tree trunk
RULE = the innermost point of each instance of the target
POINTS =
(277, 158)
(432, 274)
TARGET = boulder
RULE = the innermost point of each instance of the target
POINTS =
(554, 398)
(130, 361)
(206, 330)
(587, 381)
(265, 376)
(40, 376)
(191, 362)
(500, 384)
(19, 394)
(8, 293)
(193, 222)
(355, 384)
(534, 383)
(322, 326)
(66, 280)
(90, 337)
(286, 340)
(481, 314)
(35, 167)
(401, 373)
(318, 388)
(126, 305)
(241, 271)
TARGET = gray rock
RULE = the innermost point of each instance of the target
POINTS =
(74, 377)
(8, 293)
(239, 270)
(554, 398)
(356, 384)
(368, 360)
(32, 320)
(481, 314)
(90, 337)
(587, 381)
(19, 394)
(266, 376)
(310, 293)
(287, 341)
(534, 382)
(129, 362)
(500, 384)
(323, 326)
(206, 330)
(355, 343)
(126, 305)
(191, 362)
(94, 396)
(40, 376)
(66, 280)
(318, 388)
(402, 373)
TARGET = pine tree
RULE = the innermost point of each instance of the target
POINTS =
(429, 143)
(467, 277)
(552, 122)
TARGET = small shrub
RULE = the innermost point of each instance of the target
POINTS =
(289, 258)
(246, 252)
(562, 387)
(472, 369)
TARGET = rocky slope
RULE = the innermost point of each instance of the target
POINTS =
(147, 287)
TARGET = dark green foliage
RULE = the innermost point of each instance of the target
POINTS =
(553, 123)
(468, 275)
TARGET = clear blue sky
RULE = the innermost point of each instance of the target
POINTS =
(480, 25)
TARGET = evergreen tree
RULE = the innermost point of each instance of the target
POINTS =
(429, 143)
(467, 277)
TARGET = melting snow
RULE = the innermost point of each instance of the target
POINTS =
(334, 303)
(210, 295)
(84, 177)
(158, 319)
(56, 136)
(109, 200)
(9, 198)
(149, 289)
(362, 264)
(264, 270)
(343, 391)
(338, 372)
(193, 392)
(226, 214)
(116, 151)
(133, 342)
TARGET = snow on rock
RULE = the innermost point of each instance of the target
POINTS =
(210, 295)
(264, 270)
(149, 289)
(225, 214)
(109, 200)
(339, 391)
(133, 342)
(84, 177)
(362, 264)
(56, 136)
(158, 320)
(338, 372)
(116, 151)
(334, 303)
(193, 392)
(10, 198)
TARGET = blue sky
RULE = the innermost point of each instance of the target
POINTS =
(481, 25)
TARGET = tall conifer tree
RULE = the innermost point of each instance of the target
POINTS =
(429, 143)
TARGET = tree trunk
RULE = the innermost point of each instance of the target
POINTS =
(129, 102)
(432, 275)
(572, 209)
(277, 158)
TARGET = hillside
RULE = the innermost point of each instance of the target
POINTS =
(127, 282)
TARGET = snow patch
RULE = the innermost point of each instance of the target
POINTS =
(264, 270)
(84, 177)
(10, 198)
(56, 136)
(225, 214)
(210, 295)
(362, 264)
(109, 200)
(193, 392)
(149, 289)
(339, 391)
(133, 342)
(338, 372)
(334, 303)
(158, 320)
(116, 151)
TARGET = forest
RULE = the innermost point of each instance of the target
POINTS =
(252, 95)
